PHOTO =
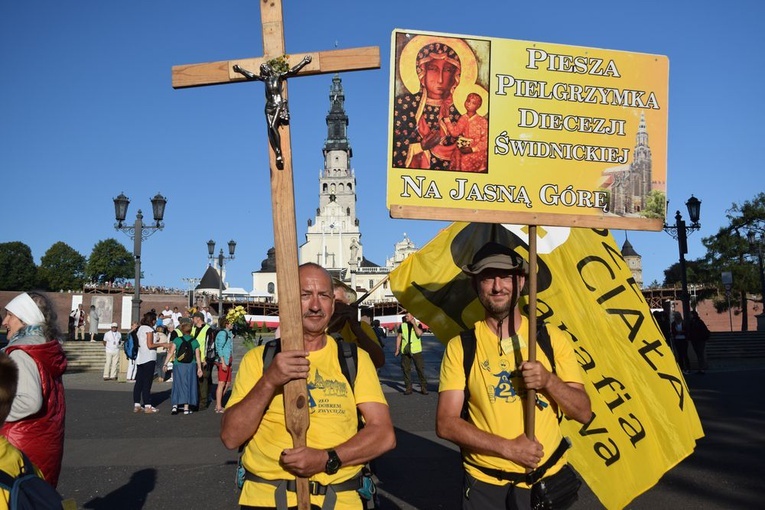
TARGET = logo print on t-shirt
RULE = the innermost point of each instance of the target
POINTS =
(331, 390)
(503, 389)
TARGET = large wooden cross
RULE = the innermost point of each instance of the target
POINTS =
(282, 190)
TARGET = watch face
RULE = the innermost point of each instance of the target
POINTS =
(333, 463)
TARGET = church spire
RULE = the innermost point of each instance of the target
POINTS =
(337, 119)
(642, 150)
(333, 239)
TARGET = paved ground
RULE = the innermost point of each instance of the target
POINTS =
(115, 459)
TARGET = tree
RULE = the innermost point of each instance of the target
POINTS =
(654, 285)
(697, 271)
(728, 251)
(655, 205)
(61, 268)
(110, 262)
(17, 267)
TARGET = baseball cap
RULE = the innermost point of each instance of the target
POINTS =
(115, 325)
(496, 256)
(199, 315)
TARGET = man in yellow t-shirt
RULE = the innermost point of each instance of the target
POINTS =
(492, 437)
(336, 450)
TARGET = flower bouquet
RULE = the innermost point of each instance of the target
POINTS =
(237, 317)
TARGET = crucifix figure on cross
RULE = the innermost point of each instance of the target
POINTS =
(272, 74)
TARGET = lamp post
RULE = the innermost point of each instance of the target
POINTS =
(221, 260)
(680, 232)
(138, 232)
(191, 283)
(755, 243)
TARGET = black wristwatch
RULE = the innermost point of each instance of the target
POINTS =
(333, 462)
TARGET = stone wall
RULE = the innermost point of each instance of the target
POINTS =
(62, 302)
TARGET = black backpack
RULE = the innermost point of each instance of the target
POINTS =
(27, 491)
(185, 353)
(211, 352)
(468, 349)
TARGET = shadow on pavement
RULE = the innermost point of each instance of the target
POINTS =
(132, 495)
(419, 473)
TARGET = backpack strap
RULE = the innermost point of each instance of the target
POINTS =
(271, 349)
(468, 356)
(544, 342)
(7, 480)
(347, 355)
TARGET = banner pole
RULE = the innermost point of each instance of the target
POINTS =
(530, 404)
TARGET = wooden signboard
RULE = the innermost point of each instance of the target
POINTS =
(505, 131)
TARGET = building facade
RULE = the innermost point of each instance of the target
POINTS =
(634, 262)
(629, 185)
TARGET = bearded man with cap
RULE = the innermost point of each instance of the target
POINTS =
(495, 451)
(112, 339)
(35, 424)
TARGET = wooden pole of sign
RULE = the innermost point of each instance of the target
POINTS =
(531, 395)
(370, 291)
(282, 190)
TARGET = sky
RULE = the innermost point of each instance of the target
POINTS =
(87, 111)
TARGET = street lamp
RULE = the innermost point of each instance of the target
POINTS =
(755, 243)
(138, 232)
(680, 232)
(221, 260)
(191, 283)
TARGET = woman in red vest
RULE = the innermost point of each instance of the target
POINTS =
(35, 424)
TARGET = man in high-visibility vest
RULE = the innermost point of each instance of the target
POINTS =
(203, 334)
(409, 346)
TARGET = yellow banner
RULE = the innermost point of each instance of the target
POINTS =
(526, 132)
(645, 421)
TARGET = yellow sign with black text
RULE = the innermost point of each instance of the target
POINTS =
(500, 130)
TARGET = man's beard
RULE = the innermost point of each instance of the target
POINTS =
(496, 309)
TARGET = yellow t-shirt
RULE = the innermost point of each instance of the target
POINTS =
(333, 421)
(12, 463)
(348, 335)
(495, 403)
